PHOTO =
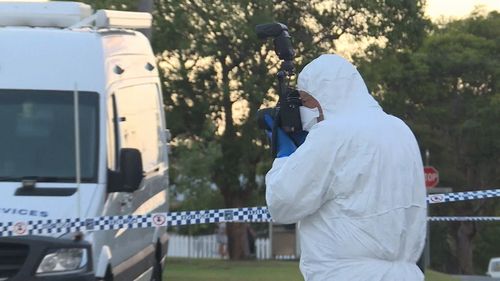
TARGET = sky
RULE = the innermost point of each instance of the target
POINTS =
(435, 8)
(457, 8)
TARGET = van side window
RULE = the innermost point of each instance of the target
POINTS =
(140, 123)
(112, 128)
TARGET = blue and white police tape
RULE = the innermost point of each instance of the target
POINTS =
(455, 219)
(56, 226)
(251, 214)
(462, 196)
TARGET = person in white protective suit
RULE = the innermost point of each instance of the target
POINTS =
(355, 186)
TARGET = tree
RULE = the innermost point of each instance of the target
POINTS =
(217, 74)
(146, 6)
(448, 92)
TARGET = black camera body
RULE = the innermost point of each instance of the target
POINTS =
(286, 114)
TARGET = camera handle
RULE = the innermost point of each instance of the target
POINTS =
(286, 70)
(284, 49)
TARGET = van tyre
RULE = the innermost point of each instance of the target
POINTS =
(157, 272)
(157, 267)
(108, 276)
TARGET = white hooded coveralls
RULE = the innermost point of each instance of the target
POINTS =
(356, 185)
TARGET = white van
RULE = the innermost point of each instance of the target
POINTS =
(494, 268)
(58, 61)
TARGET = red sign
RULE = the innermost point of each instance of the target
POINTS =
(431, 176)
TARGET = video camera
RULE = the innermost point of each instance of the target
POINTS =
(286, 113)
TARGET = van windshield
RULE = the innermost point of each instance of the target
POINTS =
(37, 135)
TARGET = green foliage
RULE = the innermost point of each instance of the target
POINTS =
(217, 73)
(447, 91)
(194, 181)
(486, 246)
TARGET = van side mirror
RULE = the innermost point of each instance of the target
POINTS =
(130, 175)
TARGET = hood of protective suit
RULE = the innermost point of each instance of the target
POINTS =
(336, 84)
(355, 186)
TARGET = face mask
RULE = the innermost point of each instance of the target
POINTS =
(309, 117)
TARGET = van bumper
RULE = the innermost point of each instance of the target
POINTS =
(72, 277)
(20, 257)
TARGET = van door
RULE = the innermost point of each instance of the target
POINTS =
(138, 124)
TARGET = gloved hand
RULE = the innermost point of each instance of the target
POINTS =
(285, 145)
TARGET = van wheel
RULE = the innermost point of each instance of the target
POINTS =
(109, 275)
(157, 268)
(157, 272)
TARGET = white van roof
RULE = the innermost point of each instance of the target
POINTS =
(53, 45)
(55, 59)
(68, 15)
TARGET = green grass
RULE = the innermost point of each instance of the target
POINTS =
(436, 276)
(223, 270)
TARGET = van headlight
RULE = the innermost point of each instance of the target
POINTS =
(65, 260)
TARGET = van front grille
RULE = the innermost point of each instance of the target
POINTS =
(12, 258)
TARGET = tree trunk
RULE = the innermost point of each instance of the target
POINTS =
(465, 247)
(228, 173)
(238, 241)
(238, 247)
(467, 231)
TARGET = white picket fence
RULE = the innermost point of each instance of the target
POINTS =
(206, 246)
(263, 248)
